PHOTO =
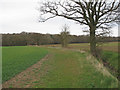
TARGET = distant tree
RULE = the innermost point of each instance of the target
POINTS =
(0, 39)
(48, 39)
(24, 35)
(56, 38)
(65, 36)
(37, 38)
(31, 39)
(95, 14)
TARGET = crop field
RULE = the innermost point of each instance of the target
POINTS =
(112, 46)
(112, 58)
(71, 67)
(17, 59)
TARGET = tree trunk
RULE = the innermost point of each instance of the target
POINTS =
(92, 41)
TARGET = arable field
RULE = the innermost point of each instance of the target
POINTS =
(17, 59)
(112, 58)
(71, 67)
(108, 46)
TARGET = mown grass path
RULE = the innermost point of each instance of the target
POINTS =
(74, 70)
(68, 69)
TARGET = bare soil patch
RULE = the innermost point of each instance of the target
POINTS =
(26, 78)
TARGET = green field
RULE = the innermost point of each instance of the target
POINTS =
(112, 58)
(65, 68)
(17, 59)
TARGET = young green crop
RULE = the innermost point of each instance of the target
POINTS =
(112, 58)
(17, 59)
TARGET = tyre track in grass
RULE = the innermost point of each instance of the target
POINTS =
(26, 78)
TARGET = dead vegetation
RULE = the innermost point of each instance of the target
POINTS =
(99, 66)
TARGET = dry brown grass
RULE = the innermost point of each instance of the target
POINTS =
(99, 66)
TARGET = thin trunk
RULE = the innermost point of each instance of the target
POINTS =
(92, 41)
(38, 42)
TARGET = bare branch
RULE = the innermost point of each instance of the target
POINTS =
(95, 13)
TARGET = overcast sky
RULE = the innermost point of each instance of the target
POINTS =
(22, 15)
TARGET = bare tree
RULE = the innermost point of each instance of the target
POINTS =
(64, 35)
(95, 14)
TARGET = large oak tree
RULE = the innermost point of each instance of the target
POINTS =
(95, 14)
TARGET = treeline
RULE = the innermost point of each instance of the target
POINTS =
(23, 39)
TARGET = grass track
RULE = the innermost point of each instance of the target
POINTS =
(109, 51)
(71, 69)
(17, 59)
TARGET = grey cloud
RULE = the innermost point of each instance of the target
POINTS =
(21, 15)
